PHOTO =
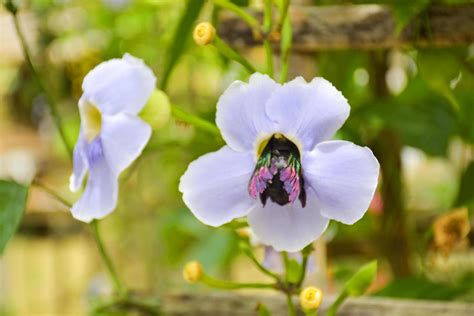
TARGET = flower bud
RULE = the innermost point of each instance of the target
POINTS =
(204, 33)
(192, 272)
(157, 111)
(310, 298)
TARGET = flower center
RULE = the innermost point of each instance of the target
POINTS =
(278, 173)
(91, 120)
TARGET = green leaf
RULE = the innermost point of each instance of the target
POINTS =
(263, 310)
(182, 34)
(421, 288)
(12, 204)
(362, 279)
(404, 12)
(466, 189)
(293, 271)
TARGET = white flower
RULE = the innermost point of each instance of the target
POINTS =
(278, 167)
(112, 136)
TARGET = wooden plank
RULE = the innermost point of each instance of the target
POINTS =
(233, 304)
(362, 27)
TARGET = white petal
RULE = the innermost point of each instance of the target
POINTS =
(290, 227)
(79, 164)
(344, 177)
(101, 193)
(123, 138)
(214, 186)
(309, 112)
(119, 85)
(241, 111)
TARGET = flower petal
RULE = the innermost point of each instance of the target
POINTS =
(241, 111)
(119, 85)
(79, 164)
(309, 112)
(123, 139)
(290, 227)
(214, 186)
(101, 193)
(344, 177)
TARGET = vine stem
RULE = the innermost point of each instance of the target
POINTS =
(227, 285)
(119, 287)
(181, 115)
(267, 25)
(249, 253)
(50, 100)
(232, 54)
(304, 266)
(249, 19)
(291, 305)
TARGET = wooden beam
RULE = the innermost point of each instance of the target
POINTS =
(233, 304)
(361, 27)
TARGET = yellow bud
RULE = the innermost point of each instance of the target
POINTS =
(204, 33)
(192, 272)
(244, 232)
(157, 110)
(310, 298)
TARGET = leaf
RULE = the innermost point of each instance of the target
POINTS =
(421, 288)
(180, 38)
(293, 271)
(466, 188)
(362, 279)
(263, 310)
(404, 12)
(12, 204)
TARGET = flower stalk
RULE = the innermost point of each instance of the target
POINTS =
(228, 285)
(249, 19)
(232, 54)
(291, 305)
(181, 115)
(119, 287)
(285, 48)
(9, 5)
(267, 26)
(249, 253)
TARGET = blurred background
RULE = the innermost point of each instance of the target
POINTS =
(413, 106)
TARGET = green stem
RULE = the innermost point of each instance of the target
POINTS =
(291, 305)
(268, 57)
(52, 193)
(286, 262)
(232, 54)
(337, 303)
(304, 265)
(267, 16)
(227, 285)
(283, 14)
(250, 254)
(196, 121)
(267, 26)
(119, 287)
(285, 47)
(51, 103)
(250, 20)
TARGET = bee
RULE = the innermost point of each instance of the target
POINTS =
(278, 173)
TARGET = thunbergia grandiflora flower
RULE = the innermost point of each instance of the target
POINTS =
(112, 135)
(278, 167)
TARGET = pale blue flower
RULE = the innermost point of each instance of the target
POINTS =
(112, 136)
(279, 168)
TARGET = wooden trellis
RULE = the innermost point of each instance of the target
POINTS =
(362, 27)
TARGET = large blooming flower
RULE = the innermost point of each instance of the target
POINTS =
(278, 167)
(112, 136)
